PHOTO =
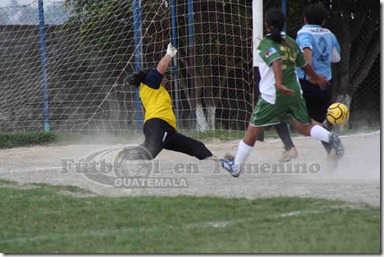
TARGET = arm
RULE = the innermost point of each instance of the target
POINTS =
(308, 57)
(164, 62)
(276, 66)
(308, 69)
(317, 79)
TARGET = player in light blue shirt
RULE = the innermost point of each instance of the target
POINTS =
(321, 45)
(320, 48)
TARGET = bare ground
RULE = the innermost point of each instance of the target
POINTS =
(356, 179)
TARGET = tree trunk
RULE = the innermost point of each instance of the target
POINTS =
(211, 113)
(202, 124)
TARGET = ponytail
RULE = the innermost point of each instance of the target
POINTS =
(275, 21)
(275, 35)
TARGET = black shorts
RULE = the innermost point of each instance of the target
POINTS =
(317, 100)
(160, 135)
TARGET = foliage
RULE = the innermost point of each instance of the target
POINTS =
(17, 139)
(356, 24)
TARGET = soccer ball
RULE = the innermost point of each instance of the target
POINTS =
(337, 114)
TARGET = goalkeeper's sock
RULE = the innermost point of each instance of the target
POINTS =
(243, 151)
(283, 132)
(320, 133)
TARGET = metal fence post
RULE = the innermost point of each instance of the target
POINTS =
(138, 57)
(43, 65)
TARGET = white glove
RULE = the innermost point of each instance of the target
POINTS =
(171, 50)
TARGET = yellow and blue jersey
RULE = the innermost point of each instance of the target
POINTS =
(156, 99)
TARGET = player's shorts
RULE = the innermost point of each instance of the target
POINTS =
(266, 114)
(317, 100)
(160, 135)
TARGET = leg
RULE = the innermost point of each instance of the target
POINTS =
(317, 102)
(264, 114)
(283, 132)
(235, 164)
(252, 134)
(261, 137)
(320, 133)
(180, 143)
(246, 145)
(290, 149)
(155, 130)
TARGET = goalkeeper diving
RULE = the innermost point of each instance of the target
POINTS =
(159, 118)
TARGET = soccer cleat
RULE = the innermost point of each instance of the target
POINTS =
(287, 156)
(228, 163)
(336, 144)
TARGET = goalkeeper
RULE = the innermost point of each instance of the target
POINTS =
(159, 119)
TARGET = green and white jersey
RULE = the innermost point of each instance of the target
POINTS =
(291, 57)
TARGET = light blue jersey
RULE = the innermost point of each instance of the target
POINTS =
(324, 45)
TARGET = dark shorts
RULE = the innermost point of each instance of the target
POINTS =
(317, 100)
(160, 135)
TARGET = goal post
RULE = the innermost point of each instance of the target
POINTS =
(257, 26)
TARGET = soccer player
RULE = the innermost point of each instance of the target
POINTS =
(160, 120)
(320, 48)
(280, 93)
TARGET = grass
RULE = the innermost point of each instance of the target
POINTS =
(41, 220)
(15, 139)
(19, 139)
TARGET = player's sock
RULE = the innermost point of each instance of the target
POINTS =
(320, 133)
(283, 132)
(327, 146)
(243, 151)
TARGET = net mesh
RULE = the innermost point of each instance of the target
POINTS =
(91, 52)
(90, 56)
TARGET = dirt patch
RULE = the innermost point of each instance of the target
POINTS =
(356, 180)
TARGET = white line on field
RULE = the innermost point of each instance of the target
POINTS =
(109, 232)
(342, 136)
(299, 213)
(33, 169)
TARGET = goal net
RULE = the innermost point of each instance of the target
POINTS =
(71, 74)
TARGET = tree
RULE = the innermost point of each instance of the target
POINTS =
(357, 26)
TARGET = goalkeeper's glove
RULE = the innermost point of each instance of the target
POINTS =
(171, 50)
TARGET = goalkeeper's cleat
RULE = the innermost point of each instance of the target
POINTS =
(287, 156)
(336, 144)
(228, 163)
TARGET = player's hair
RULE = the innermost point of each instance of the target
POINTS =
(275, 21)
(315, 14)
(137, 78)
